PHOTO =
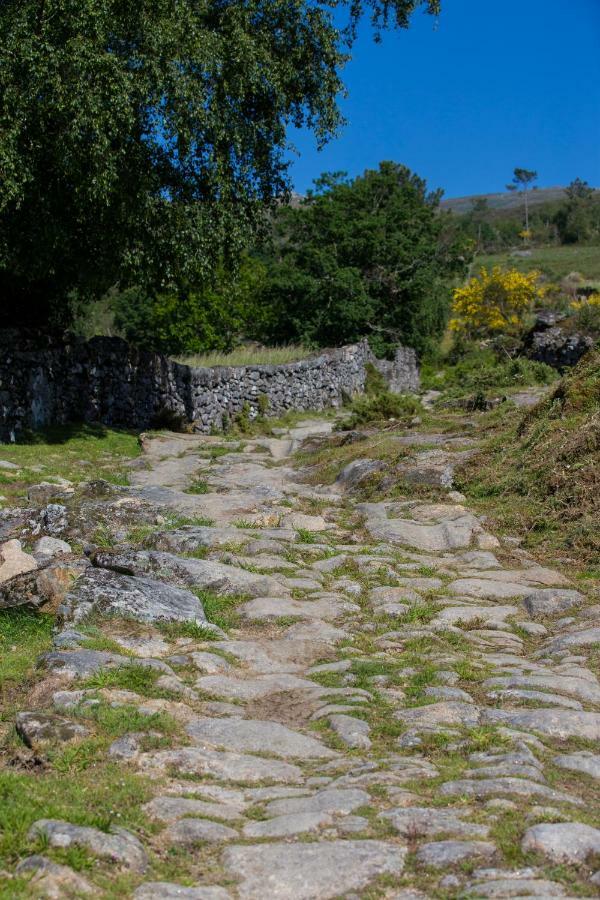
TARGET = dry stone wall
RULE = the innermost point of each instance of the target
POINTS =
(105, 380)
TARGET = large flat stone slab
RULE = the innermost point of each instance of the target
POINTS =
(583, 761)
(422, 820)
(199, 573)
(255, 688)
(328, 609)
(222, 766)
(566, 842)
(118, 845)
(105, 593)
(426, 527)
(317, 871)
(555, 723)
(257, 736)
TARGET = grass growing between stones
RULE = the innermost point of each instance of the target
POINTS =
(135, 677)
(221, 609)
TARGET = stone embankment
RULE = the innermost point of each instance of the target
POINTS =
(107, 381)
(402, 705)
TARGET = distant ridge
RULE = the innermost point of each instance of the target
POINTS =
(504, 200)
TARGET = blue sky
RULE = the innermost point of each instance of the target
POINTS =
(491, 85)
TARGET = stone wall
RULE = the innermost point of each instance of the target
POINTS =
(105, 380)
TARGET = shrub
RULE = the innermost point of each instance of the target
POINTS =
(494, 301)
(381, 407)
(587, 314)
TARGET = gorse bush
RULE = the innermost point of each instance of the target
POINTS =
(494, 301)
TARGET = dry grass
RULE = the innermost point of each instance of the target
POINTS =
(540, 473)
(247, 356)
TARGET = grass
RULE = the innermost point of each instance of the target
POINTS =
(554, 262)
(481, 372)
(100, 795)
(199, 486)
(220, 609)
(539, 472)
(24, 636)
(247, 356)
(77, 453)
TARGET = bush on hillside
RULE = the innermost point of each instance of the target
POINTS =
(494, 302)
(482, 369)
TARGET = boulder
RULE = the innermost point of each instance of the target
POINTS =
(107, 593)
(13, 561)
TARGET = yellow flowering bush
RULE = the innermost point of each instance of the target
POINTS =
(494, 301)
(587, 313)
(591, 301)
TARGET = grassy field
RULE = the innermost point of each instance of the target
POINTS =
(75, 452)
(247, 356)
(555, 262)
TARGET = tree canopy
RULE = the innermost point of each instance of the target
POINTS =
(140, 141)
(364, 257)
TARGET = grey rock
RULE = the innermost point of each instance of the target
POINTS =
(187, 832)
(566, 842)
(49, 547)
(555, 723)
(264, 608)
(448, 693)
(37, 729)
(118, 844)
(582, 761)
(13, 561)
(221, 766)
(419, 820)
(427, 526)
(358, 471)
(199, 573)
(255, 736)
(107, 593)
(440, 854)
(190, 538)
(448, 712)
(162, 890)
(82, 663)
(551, 601)
(353, 732)
(311, 871)
(53, 881)
(514, 787)
(581, 688)
(170, 809)
(255, 688)
(287, 826)
(587, 637)
(335, 801)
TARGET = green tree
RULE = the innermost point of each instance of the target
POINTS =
(578, 218)
(523, 180)
(192, 319)
(359, 258)
(139, 141)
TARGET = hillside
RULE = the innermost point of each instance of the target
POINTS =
(506, 200)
